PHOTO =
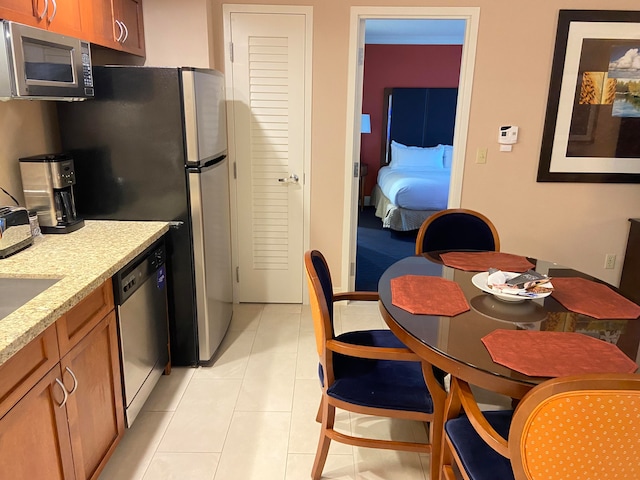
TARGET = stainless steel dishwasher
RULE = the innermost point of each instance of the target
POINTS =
(141, 300)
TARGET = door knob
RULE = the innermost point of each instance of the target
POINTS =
(293, 178)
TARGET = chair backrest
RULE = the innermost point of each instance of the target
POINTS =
(457, 229)
(320, 297)
(579, 427)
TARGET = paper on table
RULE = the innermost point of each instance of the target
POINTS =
(497, 280)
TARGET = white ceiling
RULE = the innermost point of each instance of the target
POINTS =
(415, 32)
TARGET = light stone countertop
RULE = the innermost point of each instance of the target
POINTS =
(83, 260)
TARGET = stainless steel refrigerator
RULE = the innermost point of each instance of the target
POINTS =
(152, 145)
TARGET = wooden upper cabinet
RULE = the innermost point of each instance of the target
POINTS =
(67, 17)
(118, 24)
(127, 17)
(62, 16)
(115, 24)
(28, 12)
(101, 23)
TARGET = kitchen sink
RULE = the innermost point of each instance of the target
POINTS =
(15, 292)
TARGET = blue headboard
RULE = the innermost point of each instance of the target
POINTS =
(421, 117)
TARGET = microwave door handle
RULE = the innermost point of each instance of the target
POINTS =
(44, 10)
(55, 10)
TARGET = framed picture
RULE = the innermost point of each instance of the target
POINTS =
(592, 126)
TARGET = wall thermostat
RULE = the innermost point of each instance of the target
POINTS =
(508, 135)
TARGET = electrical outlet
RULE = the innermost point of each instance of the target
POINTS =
(609, 261)
(481, 155)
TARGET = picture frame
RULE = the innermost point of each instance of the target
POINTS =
(592, 124)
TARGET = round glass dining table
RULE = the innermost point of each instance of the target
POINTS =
(453, 344)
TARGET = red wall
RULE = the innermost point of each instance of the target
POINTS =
(400, 66)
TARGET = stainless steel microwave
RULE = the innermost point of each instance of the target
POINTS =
(37, 64)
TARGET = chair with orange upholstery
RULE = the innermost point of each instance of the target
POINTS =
(568, 428)
(369, 372)
(457, 229)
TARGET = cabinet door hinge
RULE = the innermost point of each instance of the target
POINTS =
(356, 170)
(237, 274)
(352, 269)
(361, 56)
(235, 171)
(231, 51)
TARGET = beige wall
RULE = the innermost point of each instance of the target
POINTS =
(571, 223)
(178, 33)
(28, 128)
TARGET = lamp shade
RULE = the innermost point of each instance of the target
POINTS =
(365, 123)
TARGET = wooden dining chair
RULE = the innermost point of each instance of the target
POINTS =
(568, 428)
(368, 372)
(457, 229)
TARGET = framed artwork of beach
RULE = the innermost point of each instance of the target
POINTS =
(592, 125)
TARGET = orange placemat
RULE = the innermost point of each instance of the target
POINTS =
(555, 354)
(592, 298)
(424, 295)
(482, 261)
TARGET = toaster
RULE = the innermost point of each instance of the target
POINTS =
(15, 231)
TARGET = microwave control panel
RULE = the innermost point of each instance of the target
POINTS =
(87, 74)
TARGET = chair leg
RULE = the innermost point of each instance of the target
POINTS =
(445, 455)
(319, 414)
(328, 419)
(452, 409)
(439, 396)
(436, 444)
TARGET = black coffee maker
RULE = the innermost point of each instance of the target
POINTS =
(47, 182)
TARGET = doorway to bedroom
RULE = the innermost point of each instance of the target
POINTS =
(410, 85)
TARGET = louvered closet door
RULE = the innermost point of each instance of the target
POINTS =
(268, 112)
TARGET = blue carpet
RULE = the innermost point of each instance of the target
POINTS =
(378, 248)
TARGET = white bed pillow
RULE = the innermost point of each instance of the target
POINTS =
(448, 155)
(416, 158)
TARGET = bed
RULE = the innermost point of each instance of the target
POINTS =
(413, 186)
(415, 164)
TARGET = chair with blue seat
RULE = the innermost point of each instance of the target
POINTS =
(568, 428)
(368, 372)
(457, 229)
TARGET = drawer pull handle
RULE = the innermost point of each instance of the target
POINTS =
(55, 10)
(75, 380)
(44, 10)
(121, 31)
(64, 392)
(126, 32)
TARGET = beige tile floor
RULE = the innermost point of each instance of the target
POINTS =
(252, 414)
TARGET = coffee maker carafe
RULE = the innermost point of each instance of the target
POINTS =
(47, 181)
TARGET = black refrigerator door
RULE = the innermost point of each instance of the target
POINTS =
(128, 149)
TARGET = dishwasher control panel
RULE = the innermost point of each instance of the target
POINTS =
(130, 278)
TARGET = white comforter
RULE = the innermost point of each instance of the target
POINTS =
(416, 190)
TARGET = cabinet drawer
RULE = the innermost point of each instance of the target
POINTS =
(27, 367)
(79, 321)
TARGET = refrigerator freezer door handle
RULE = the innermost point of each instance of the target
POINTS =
(190, 120)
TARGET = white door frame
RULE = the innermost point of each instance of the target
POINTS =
(227, 10)
(354, 108)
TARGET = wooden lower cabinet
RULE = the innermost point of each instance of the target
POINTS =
(91, 371)
(34, 434)
(51, 433)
